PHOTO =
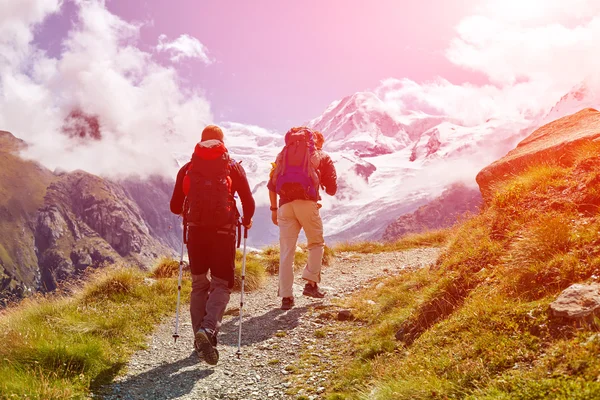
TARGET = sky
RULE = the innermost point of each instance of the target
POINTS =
(278, 64)
(115, 87)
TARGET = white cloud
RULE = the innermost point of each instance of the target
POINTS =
(548, 41)
(467, 104)
(532, 51)
(17, 19)
(185, 46)
(531, 12)
(143, 113)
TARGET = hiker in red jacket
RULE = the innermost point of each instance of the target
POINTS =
(300, 170)
(204, 196)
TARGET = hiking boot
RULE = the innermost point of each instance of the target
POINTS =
(287, 303)
(313, 291)
(198, 350)
(205, 344)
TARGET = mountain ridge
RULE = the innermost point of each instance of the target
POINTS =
(55, 225)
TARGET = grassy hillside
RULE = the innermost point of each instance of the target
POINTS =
(476, 325)
(62, 347)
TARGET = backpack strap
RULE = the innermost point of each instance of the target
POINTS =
(283, 160)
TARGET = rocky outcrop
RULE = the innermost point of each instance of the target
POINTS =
(579, 303)
(555, 142)
(362, 168)
(153, 196)
(89, 221)
(443, 212)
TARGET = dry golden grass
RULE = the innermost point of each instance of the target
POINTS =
(435, 238)
(269, 257)
(165, 268)
(111, 283)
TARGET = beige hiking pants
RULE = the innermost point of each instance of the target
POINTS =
(291, 217)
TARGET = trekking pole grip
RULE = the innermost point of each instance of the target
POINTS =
(245, 233)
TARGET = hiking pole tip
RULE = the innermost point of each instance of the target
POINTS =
(175, 337)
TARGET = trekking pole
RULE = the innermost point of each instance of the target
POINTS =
(239, 350)
(176, 334)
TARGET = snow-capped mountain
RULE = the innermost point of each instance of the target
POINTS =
(360, 124)
(389, 161)
(584, 95)
(412, 155)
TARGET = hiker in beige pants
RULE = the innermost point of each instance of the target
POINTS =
(291, 217)
(296, 213)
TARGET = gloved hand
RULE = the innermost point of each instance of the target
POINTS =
(247, 224)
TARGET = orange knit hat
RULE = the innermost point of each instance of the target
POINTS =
(212, 132)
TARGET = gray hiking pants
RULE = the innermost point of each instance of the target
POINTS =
(211, 250)
(208, 301)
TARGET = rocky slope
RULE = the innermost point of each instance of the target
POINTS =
(88, 221)
(444, 211)
(22, 189)
(153, 196)
(54, 226)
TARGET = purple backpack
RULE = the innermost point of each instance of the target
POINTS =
(296, 176)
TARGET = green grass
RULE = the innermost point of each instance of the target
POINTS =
(63, 347)
(435, 238)
(475, 325)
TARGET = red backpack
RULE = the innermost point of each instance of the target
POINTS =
(208, 186)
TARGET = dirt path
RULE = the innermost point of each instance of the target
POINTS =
(272, 339)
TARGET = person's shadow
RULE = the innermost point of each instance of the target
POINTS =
(258, 329)
(170, 382)
(167, 380)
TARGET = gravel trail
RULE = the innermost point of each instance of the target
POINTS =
(272, 339)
